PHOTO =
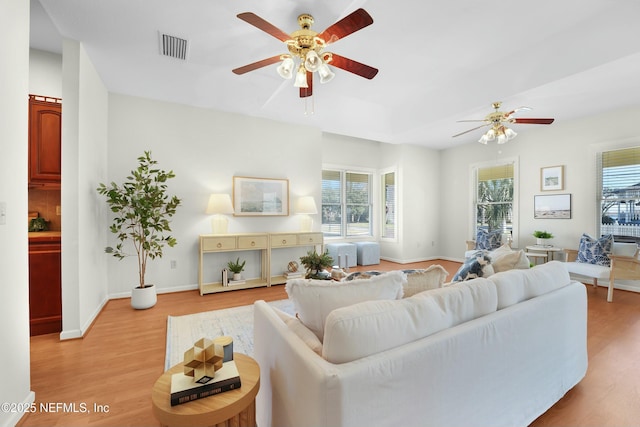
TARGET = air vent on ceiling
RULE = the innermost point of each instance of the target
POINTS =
(173, 46)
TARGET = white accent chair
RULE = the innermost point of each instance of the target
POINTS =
(624, 265)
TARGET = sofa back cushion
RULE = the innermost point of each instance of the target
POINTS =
(514, 286)
(313, 300)
(370, 327)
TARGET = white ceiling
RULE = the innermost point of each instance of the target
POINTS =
(439, 61)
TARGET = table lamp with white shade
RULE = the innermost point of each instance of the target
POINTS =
(305, 207)
(219, 206)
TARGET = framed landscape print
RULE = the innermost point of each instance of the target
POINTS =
(552, 178)
(260, 196)
(556, 206)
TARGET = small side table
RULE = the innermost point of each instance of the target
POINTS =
(234, 407)
(542, 251)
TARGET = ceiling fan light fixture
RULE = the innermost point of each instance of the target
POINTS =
(484, 139)
(510, 133)
(301, 77)
(312, 61)
(285, 69)
(325, 73)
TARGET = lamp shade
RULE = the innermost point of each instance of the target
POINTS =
(306, 205)
(219, 204)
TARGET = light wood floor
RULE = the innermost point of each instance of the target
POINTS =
(119, 359)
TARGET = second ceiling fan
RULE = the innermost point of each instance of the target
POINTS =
(497, 120)
(308, 46)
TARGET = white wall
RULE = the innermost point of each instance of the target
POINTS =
(205, 149)
(569, 143)
(14, 283)
(45, 73)
(84, 164)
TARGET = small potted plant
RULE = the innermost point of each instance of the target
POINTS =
(542, 237)
(236, 268)
(142, 210)
(316, 264)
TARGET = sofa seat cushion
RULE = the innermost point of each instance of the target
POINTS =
(515, 286)
(371, 327)
(313, 300)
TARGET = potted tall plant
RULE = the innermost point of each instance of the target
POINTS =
(142, 211)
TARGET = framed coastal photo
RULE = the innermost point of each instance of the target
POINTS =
(552, 178)
(556, 206)
(260, 196)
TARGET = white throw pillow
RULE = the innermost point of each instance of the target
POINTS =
(295, 325)
(315, 299)
(507, 259)
(421, 280)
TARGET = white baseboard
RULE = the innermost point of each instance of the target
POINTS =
(79, 333)
(14, 417)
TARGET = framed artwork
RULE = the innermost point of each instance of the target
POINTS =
(556, 206)
(260, 196)
(552, 178)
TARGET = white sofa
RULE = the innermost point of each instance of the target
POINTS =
(498, 351)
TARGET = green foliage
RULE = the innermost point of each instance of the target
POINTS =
(314, 262)
(236, 267)
(542, 235)
(142, 211)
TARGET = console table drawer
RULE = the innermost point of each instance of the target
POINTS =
(310, 239)
(218, 243)
(281, 240)
(252, 242)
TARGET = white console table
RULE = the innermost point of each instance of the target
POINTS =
(263, 242)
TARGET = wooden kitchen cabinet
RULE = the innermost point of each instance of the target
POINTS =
(45, 286)
(45, 148)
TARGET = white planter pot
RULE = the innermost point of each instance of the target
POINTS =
(237, 276)
(143, 298)
(543, 242)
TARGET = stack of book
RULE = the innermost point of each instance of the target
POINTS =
(184, 389)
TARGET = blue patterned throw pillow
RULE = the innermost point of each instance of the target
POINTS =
(488, 241)
(478, 265)
(595, 251)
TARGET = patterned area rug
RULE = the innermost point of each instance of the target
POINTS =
(237, 322)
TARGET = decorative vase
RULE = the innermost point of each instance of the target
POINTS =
(143, 298)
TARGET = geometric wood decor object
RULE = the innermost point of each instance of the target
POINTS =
(202, 360)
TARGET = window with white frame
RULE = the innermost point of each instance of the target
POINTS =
(619, 193)
(346, 203)
(495, 197)
(389, 205)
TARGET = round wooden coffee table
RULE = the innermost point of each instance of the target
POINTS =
(234, 407)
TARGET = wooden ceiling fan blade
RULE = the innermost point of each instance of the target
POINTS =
(354, 67)
(307, 91)
(533, 121)
(471, 120)
(471, 130)
(267, 27)
(256, 65)
(351, 23)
